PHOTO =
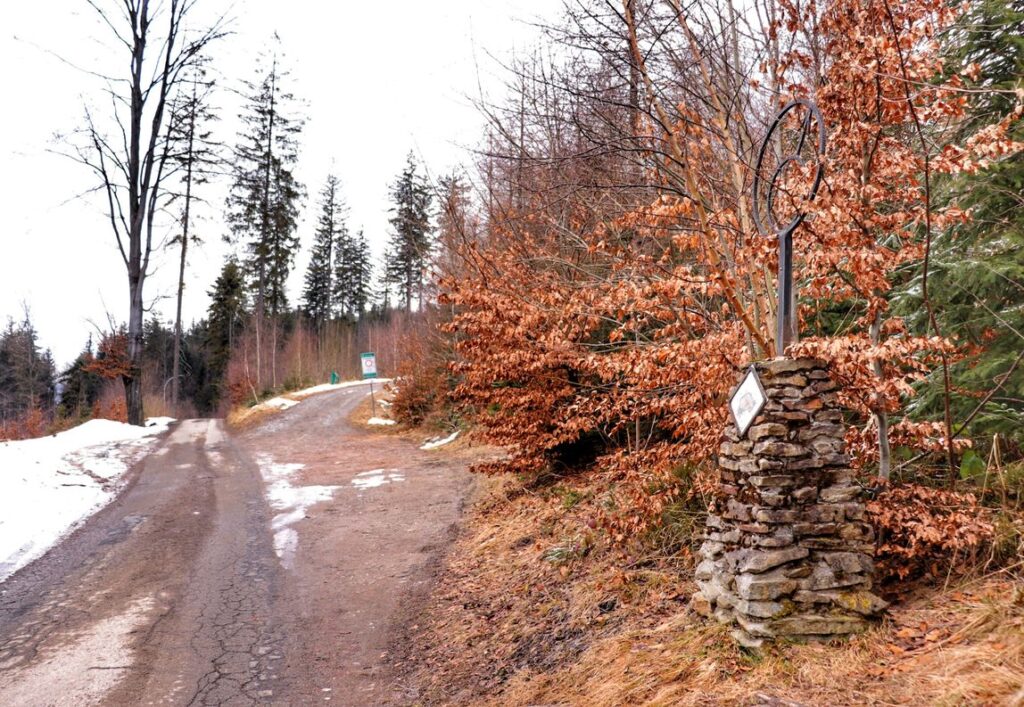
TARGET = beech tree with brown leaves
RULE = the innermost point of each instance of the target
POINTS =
(601, 328)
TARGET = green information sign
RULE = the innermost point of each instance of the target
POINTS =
(369, 362)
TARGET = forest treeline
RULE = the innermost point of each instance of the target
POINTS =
(238, 354)
(254, 341)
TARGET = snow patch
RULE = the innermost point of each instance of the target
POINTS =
(379, 421)
(435, 443)
(291, 502)
(327, 387)
(290, 400)
(376, 477)
(91, 663)
(50, 485)
(280, 403)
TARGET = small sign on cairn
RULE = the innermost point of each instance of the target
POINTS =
(787, 550)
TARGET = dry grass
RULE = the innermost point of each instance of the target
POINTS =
(240, 418)
(975, 656)
(158, 406)
(533, 609)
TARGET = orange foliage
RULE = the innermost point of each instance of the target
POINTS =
(34, 423)
(921, 529)
(111, 404)
(111, 360)
(422, 377)
(589, 332)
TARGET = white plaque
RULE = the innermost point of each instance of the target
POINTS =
(747, 401)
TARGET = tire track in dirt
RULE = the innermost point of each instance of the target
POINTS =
(173, 594)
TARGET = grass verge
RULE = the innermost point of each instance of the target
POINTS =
(533, 608)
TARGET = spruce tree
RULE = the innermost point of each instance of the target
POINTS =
(453, 222)
(265, 195)
(80, 386)
(196, 157)
(224, 317)
(344, 263)
(318, 294)
(362, 274)
(27, 373)
(352, 274)
(411, 239)
(976, 278)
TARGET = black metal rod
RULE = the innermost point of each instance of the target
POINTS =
(786, 329)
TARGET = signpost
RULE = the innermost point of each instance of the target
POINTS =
(780, 152)
(368, 362)
(784, 148)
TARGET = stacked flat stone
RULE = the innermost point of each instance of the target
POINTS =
(787, 550)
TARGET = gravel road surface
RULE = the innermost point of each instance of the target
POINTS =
(274, 566)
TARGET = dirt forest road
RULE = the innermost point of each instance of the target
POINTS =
(270, 567)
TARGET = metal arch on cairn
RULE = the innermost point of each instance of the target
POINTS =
(766, 220)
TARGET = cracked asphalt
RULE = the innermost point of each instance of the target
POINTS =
(192, 588)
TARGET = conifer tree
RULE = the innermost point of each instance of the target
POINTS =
(195, 156)
(27, 373)
(453, 221)
(976, 279)
(265, 195)
(353, 272)
(409, 248)
(80, 386)
(344, 264)
(318, 294)
(224, 317)
(361, 274)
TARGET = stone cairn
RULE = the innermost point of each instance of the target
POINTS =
(787, 550)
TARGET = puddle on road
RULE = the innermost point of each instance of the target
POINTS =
(376, 477)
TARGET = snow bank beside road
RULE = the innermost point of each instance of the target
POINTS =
(51, 484)
(435, 443)
(327, 387)
(279, 403)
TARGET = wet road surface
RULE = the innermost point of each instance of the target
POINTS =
(273, 566)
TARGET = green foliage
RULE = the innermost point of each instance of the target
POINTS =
(27, 373)
(318, 293)
(976, 280)
(972, 466)
(80, 386)
(411, 238)
(265, 195)
(224, 317)
(570, 497)
(352, 274)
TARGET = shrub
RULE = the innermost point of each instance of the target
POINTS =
(926, 530)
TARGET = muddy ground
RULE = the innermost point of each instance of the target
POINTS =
(278, 565)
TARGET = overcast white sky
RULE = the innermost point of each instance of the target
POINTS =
(379, 79)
